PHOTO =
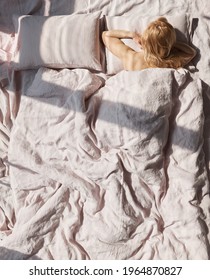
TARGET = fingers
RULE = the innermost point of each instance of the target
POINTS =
(137, 38)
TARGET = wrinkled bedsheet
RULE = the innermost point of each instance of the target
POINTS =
(99, 167)
(92, 172)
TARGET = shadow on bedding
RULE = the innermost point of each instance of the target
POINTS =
(6, 254)
(119, 116)
(38, 7)
(206, 144)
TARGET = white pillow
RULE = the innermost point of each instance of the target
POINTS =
(138, 24)
(70, 41)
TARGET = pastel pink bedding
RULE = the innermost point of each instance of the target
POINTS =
(100, 167)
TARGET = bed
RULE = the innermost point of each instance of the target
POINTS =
(96, 162)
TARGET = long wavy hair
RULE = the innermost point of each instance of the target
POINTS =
(157, 41)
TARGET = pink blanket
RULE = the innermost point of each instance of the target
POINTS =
(93, 175)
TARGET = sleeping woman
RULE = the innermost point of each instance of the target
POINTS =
(159, 47)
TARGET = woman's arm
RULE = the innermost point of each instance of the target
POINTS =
(112, 40)
(120, 34)
(185, 52)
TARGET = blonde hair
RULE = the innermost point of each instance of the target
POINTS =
(158, 40)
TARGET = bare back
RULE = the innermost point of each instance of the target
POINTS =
(134, 61)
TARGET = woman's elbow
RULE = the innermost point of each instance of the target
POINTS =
(105, 37)
(104, 34)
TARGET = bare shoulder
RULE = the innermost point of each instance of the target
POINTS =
(134, 61)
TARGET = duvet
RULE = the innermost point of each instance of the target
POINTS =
(107, 168)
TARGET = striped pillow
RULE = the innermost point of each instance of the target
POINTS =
(70, 41)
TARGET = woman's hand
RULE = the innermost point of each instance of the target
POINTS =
(137, 38)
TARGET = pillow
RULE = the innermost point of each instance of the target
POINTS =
(70, 41)
(139, 24)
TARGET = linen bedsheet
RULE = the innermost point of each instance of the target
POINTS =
(93, 174)
(100, 167)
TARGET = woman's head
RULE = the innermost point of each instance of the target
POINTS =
(157, 41)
